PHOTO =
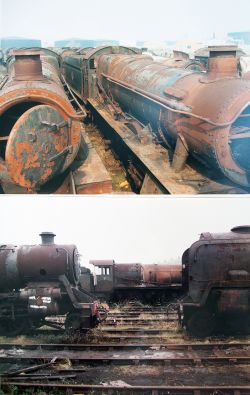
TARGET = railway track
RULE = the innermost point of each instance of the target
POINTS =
(137, 314)
(131, 360)
(40, 372)
(130, 354)
(143, 390)
(132, 321)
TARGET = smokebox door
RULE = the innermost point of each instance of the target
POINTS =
(37, 146)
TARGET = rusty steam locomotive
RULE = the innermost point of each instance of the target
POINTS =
(124, 281)
(216, 280)
(200, 118)
(42, 138)
(212, 284)
(39, 281)
(41, 132)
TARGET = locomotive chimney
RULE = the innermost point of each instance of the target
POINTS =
(222, 60)
(27, 65)
(47, 238)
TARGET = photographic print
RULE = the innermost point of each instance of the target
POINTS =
(124, 195)
(123, 295)
(153, 99)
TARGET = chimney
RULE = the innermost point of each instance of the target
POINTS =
(222, 60)
(27, 65)
(47, 238)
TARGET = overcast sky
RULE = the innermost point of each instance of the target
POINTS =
(127, 229)
(126, 20)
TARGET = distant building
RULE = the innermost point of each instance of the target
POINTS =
(240, 37)
(158, 48)
(105, 42)
(19, 42)
(140, 44)
(143, 44)
(81, 43)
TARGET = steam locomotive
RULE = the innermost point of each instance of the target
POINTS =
(212, 284)
(201, 119)
(41, 132)
(216, 280)
(40, 281)
(125, 281)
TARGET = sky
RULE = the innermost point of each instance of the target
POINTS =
(125, 20)
(123, 228)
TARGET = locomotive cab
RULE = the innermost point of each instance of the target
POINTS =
(117, 281)
(104, 276)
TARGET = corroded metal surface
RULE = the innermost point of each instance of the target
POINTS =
(155, 161)
(91, 177)
(160, 274)
(129, 274)
(38, 281)
(42, 262)
(79, 68)
(209, 110)
(181, 60)
(132, 280)
(216, 271)
(41, 131)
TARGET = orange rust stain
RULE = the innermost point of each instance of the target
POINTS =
(95, 188)
(32, 162)
(41, 95)
(57, 99)
(2, 166)
(21, 147)
(60, 143)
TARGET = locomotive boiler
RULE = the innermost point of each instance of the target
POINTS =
(79, 68)
(162, 274)
(202, 117)
(40, 281)
(216, 277)
(40, 130)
